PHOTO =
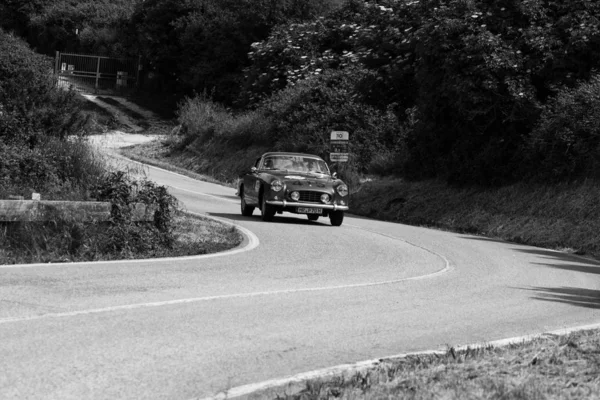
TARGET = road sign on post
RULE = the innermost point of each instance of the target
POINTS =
(339, 146)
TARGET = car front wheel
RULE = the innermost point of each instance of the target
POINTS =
(268, 212)
(246, 209)
(336, 218)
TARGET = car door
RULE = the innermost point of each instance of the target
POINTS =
(252, 183)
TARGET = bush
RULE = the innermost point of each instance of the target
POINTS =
(566, 142)
(304, 115)
(299, 118)
(66, 239)
(31, 107)
(58, 169)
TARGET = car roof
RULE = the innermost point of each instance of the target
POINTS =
(283, 153)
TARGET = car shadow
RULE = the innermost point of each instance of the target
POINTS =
(587, 298)
(289, 220)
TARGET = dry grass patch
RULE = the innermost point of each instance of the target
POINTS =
(198, 235)
(565, 367)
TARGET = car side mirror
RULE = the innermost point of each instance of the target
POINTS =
(334, 175)
(253, 169)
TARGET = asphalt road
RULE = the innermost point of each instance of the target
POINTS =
(309, 296)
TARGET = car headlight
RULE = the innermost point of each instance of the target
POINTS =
(295, 196)
(276, 185)
(342, 190)
(325, 198)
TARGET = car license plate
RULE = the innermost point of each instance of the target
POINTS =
(305, 210)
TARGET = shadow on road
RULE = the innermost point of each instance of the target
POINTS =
(587, 298)
(296, 220)
(564, 261)
(556, 259)
(580, 297)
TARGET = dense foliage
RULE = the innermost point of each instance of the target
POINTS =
(473, 85)
(93, 26)
(202, 45)
(469, 78)
(42, 150)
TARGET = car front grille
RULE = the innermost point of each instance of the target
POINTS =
(310, 197)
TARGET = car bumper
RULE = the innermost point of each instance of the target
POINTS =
(290, 204)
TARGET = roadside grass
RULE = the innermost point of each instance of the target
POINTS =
(550, 367)
(69, 241)
(199, 235)
(563, 217)
(158, 154)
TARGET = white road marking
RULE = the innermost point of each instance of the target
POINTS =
(283, 385)
(222, 297)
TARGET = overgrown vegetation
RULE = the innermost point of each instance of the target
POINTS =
(466, 91)
(43, 150)
(556, 367)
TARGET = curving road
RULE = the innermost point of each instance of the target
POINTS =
(309, 296)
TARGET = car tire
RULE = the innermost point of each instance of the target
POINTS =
(245, 208)
(312, 217)
(336, 218)
(268, 212)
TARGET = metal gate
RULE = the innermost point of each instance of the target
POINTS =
(96, 74)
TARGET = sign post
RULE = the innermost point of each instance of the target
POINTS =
(339, 146)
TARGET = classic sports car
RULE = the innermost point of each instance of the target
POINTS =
(293, 182)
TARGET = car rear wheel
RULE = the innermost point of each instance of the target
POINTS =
(336, 218)
(268, 212)
(246, 209)
(312, 217)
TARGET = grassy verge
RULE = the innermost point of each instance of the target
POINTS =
(556, 367)
(158, 153)
(564, 217)
(192, 235)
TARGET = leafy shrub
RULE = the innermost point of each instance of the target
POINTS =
(58, 169)
(566, 142)
(299, 118)
(123, 192)
(304, 115)
(31, 107)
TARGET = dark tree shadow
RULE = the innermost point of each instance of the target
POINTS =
(587, 298)
(580, 297)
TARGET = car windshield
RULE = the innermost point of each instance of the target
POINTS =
(296, 164)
